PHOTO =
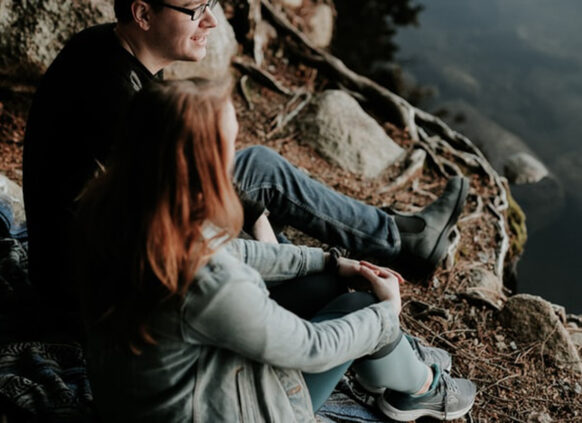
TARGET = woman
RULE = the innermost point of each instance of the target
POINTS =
(180, 323)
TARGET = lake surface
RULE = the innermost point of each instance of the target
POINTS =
(519, 62)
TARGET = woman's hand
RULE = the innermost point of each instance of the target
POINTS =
(348, 268)
(385, 283)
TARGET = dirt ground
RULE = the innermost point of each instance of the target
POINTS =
(515, 384)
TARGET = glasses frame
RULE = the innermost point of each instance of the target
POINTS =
(195, 13)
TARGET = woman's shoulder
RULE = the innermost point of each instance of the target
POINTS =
(223, 268)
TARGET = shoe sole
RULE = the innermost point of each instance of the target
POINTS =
(406, 416)
(440, 249)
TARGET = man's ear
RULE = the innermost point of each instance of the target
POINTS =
(142, 12)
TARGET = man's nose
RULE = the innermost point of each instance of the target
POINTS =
(209, 19)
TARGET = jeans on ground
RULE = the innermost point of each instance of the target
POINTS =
(295, 199)
(8, 227)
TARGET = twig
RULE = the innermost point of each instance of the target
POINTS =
(244, 89)
(415, 165)
(497, 383)
(371, 90)
(291, 109)
(260, 76)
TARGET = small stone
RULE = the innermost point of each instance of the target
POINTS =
(451, 297)
(320, 26)
(578, 388)
(483, 256)
(292, 3)
(513, 346)
(539, 417)
(435, 282)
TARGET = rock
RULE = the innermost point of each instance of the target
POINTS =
(33, 32)
(576, 335)
(320, 26)
(221, 47)
(533, 319)
(341, 131)
(506, 152)
(484, 285)
(292, 3)
(523, 168)
(539, 417)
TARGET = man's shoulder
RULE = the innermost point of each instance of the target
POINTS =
(95, 60)
(99, 34)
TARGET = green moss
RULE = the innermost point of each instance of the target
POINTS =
(517, 227)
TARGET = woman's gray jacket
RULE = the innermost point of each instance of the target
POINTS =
(227, 352)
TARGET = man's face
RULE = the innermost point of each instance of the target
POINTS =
(174, 36)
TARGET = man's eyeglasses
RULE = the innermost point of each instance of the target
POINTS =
(195, 13)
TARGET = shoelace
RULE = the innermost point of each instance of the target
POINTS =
(417, 348)
(446, 387)
(448, 384)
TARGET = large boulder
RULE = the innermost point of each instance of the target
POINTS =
(533, 319)
(33, 32)
(506, 151)
(337, 127)
(221, 47)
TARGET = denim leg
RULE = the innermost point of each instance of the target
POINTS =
(295, 199)
(8, 227)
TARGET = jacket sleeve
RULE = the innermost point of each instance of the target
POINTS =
(278, 262)
(242, 318)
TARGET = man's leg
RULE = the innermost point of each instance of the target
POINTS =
(419, 240)
(295, 199)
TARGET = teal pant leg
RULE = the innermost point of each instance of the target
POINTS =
(321, 385)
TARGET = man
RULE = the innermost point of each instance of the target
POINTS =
(71, 129)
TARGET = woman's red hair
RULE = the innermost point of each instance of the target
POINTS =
(165, 203)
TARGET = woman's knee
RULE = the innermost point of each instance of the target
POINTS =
(347, 303)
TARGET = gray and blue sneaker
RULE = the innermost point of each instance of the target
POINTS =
(448, 398)
(430, 355)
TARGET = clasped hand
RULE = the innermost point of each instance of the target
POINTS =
(384, 282)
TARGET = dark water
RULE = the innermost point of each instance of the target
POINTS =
(519, 62)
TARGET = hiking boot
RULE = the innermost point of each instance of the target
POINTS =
(448, 398)
(424, 235)
(428, 355)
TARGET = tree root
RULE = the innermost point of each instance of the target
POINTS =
(415, 165)
(290, 111)
(261, 76)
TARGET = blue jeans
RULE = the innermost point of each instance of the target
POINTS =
(8, 227)
(295, 199)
